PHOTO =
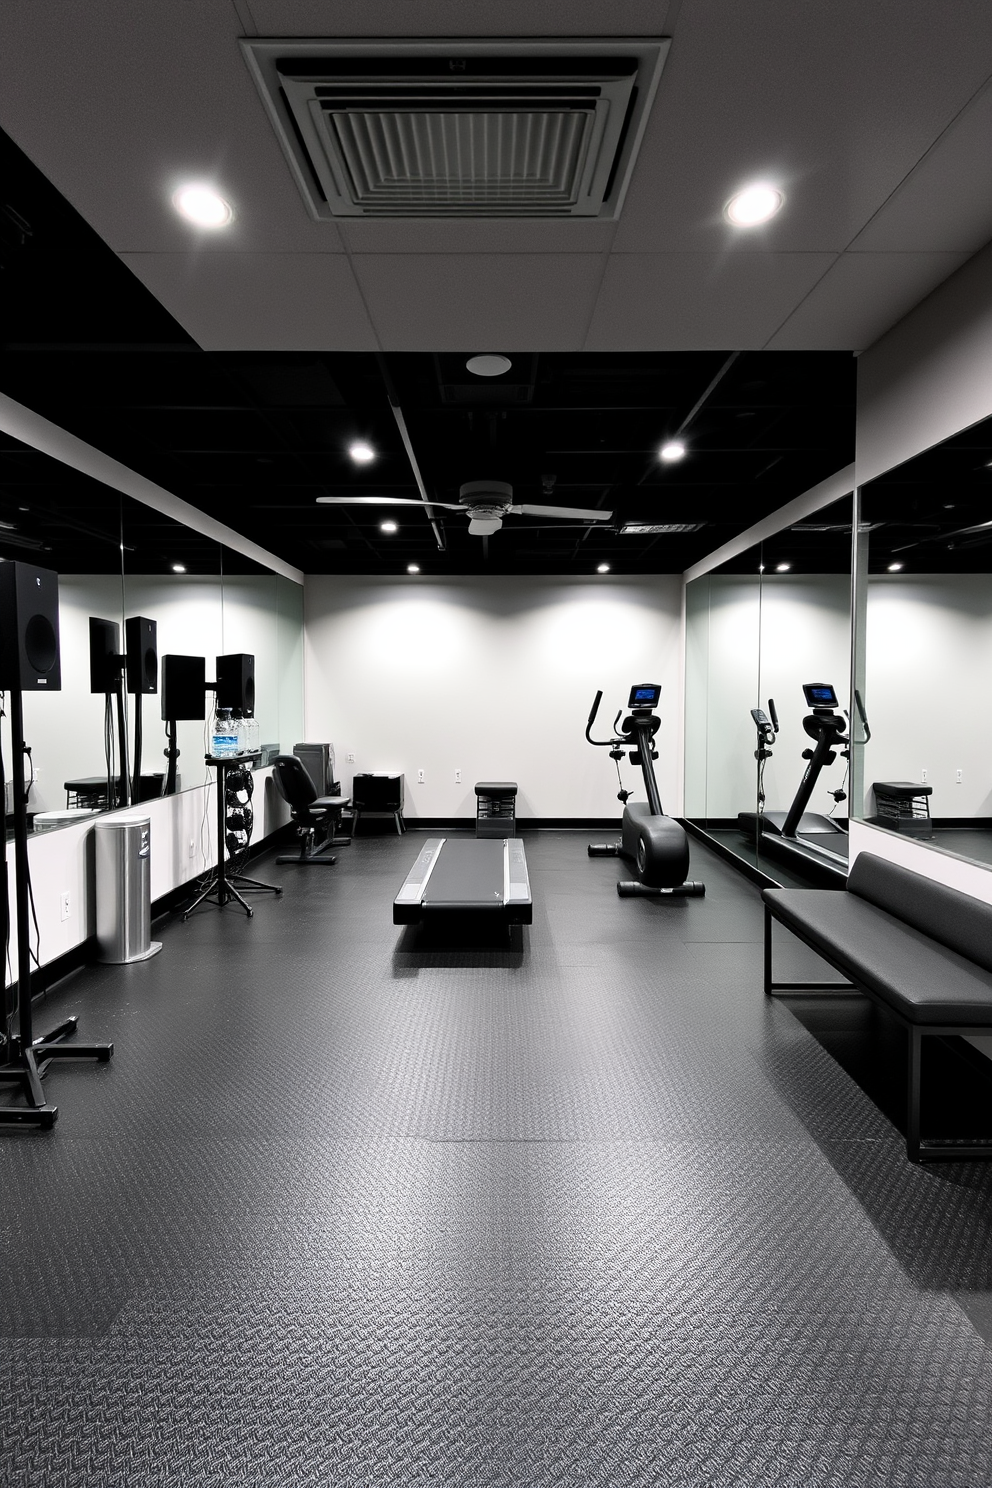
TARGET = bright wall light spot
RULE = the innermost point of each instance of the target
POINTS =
(179, 568)
(202, 205)
(603, 568)
(894, 567)
(387, 527)
(413, 568)
(672, 451)
(361, 452)
(782, 567)
(753, 205)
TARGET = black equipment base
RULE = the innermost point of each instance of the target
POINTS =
(26, 1067)
(631, 889)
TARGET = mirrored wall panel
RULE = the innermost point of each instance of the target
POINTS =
(136, 584)
(767, 680)
(925, 592)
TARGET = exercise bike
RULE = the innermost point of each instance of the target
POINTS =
(654, 843)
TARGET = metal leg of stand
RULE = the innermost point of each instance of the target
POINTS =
(220, 889)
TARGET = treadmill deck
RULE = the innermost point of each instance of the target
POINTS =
(467, 876)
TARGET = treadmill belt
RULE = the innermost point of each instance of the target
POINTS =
(468, 874)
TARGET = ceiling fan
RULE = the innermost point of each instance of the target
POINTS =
(486, 502)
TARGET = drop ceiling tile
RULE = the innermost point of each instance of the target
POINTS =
(860, 297)
(469, 302)
(699, 301)
(260, 301)
(520, 235)
(837, 103)
(455, 18)
(944, 204)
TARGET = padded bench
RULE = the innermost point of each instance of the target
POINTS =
(916, 948)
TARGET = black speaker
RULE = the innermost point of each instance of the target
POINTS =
(236, 682)
(29, 628)
(141, 645)
(184, 687)
(105, 655)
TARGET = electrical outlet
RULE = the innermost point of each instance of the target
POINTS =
(192, 848)
(923, 776)
(350, 758)
(957, 776)
(458, 777)
(420, 777)
(65, 904)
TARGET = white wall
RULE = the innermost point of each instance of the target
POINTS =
(494, 676)
(928, 661)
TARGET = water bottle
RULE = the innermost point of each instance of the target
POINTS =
(253, 733)
(225, 735)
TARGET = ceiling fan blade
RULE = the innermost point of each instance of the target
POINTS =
(383, 501)
(571, 513)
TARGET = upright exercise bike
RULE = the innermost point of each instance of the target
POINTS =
(655, 844)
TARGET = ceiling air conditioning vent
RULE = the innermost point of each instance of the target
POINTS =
(459, 128)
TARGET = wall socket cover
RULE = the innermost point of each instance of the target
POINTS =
(420, 777)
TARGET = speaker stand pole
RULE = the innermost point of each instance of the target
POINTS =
(122, 731)
(26, 1057)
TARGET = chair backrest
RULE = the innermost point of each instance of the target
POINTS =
(293, 782)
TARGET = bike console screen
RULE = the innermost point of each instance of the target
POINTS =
(644, 695)
(820, 695)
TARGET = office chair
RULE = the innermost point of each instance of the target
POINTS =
(315, 816)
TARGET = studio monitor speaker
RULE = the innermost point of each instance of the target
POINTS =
(105, 647)
(141, 645)
(29, 629)
(236, 682)
(184, 687)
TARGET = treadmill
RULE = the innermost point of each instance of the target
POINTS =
(797, 833)
(464, 878)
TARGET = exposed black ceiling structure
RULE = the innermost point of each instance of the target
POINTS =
(255, 438)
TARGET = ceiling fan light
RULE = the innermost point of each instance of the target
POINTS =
(484, 526)
(489, 365)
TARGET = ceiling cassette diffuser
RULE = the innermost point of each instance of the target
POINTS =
(459, 128)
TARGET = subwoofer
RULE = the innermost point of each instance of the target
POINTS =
(29, 628)
(236, 682)
(105, 657)
(141, 645)
(184, 687)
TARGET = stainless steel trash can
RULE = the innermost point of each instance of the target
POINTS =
(124, 889)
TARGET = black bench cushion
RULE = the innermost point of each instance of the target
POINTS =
(956, 920)
(901, 965)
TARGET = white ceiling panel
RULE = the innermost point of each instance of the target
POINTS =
(463, 302)
(946, 202)
(260, 301)
(860, 297)
(519, 235)
(696, 301)
(836, 102)
(455, 18)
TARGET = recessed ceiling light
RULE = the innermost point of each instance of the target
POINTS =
(179, 568)
(753, 205)
(387, 527)
(673, 450)
(603, 568)
(413, 568)
(361, 452)
(894, 567)
(782, 567)
(761, 568)
(202, 205)
(489, 366)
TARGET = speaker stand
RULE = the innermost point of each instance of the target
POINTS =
(222, 887)
(27, 1058)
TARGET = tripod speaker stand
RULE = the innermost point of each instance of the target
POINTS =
(26, 1058)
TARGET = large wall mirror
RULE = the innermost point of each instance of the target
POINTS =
(925, 649)
(759, 628)
(117, 560)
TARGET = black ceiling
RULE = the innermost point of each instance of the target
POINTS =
(254, 438)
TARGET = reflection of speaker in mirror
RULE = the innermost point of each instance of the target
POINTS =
(141, 644)
(105, 655)
(184, 687)
(236, 682)
(29, 629)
